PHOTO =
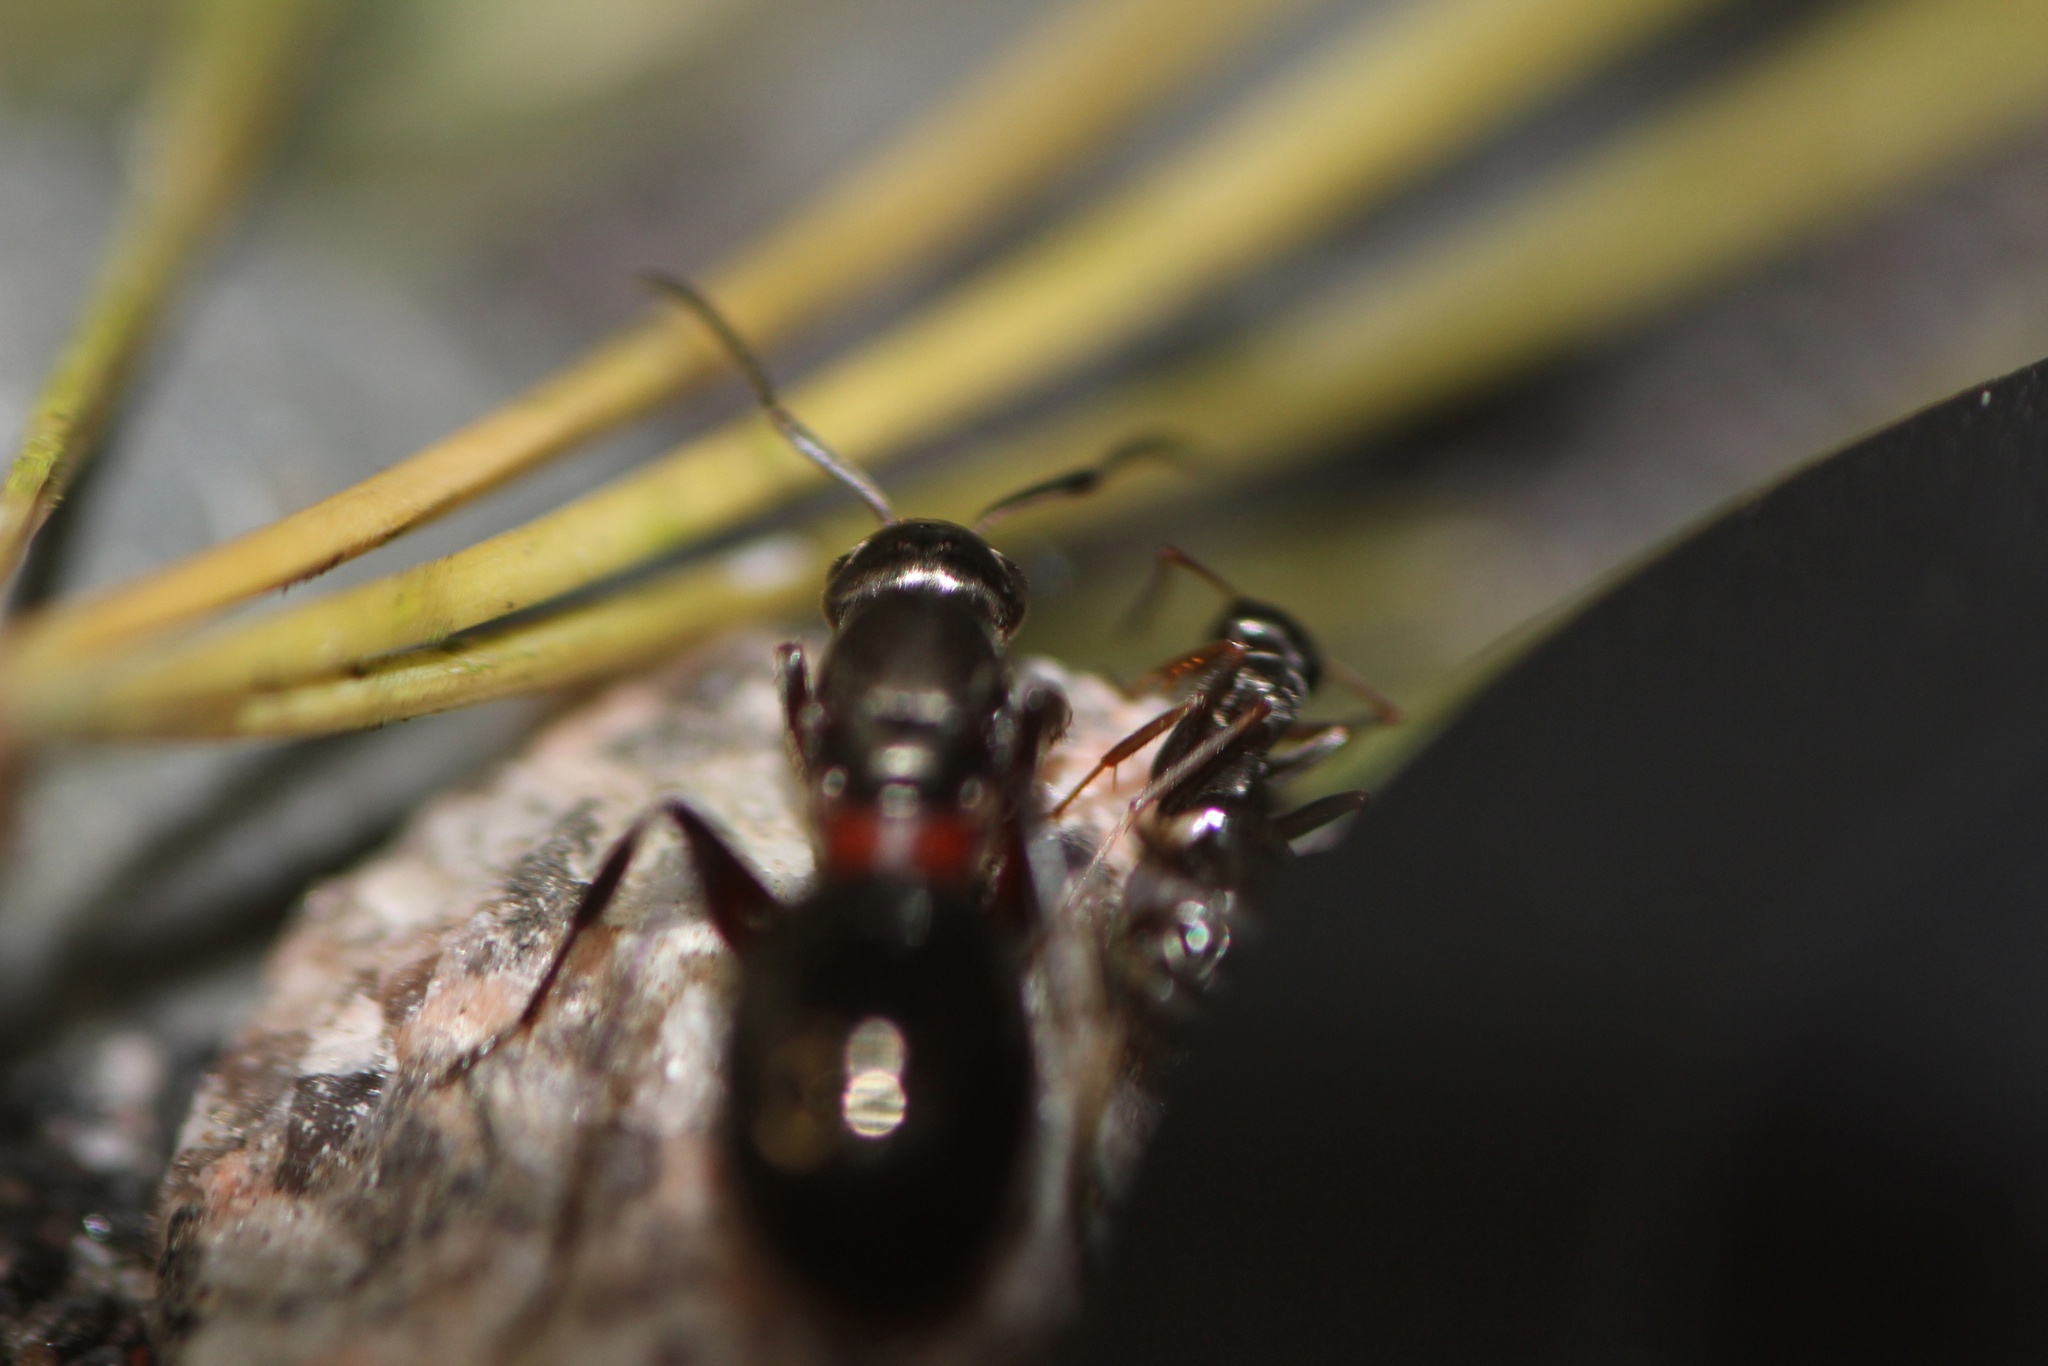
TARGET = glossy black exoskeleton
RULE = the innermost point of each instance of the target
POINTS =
(881, 1087)
(879, 1071)
(1206, 824)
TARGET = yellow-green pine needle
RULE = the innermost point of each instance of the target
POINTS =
(1390, 99)
(1861, 105)
(225, 82)
(1058, 94)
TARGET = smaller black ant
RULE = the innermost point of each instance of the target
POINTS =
(879, 1070)
(1205, 820)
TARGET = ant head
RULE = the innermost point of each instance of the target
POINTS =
(933, 557)
(1266, 629)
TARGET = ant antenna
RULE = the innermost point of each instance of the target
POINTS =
(1167, 446)
(1170, 557)
(793, 431)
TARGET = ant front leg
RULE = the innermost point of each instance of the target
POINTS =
(1186, 768)
(1015, 893)
(1128, 746)
(1229, 653)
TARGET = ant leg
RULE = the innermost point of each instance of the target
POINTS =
(1321, 742)
(1175, 672)
(1190, 764)
(1383, 709)
(597, 895)
(1305, 820)
(1079, 483)
(739, 905)
(1171, 557)
(1199, 758)
(1015, 894)
(1129, 745)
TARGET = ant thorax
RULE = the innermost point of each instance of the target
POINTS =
(907, 701)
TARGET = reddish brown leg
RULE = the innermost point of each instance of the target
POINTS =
(1383, 709)
(1129, 745)
(1172, 557)
(1191, 764)
(1175, 673)
(1200, 757)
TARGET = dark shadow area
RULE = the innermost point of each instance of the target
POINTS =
(1688, 1001)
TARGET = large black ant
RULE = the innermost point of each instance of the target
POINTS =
(1205, 821)
(879, 1071)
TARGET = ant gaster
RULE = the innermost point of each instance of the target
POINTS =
(880, 1083)
(1205, 821)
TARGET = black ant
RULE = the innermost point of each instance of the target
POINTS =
(1205, 821)
(879, 1069)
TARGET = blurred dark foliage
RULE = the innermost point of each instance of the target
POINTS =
(1688, 1000)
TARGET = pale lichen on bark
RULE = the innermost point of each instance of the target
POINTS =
(343, 1191)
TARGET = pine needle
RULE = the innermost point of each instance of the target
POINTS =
(216, 104)
(1093, 65)
(1858, 107)
(1391, 98)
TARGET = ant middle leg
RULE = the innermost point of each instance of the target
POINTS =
(1319, 742)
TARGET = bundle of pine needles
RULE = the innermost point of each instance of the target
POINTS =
(1851, 106)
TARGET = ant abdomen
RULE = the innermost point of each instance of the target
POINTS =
(881, 1090)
